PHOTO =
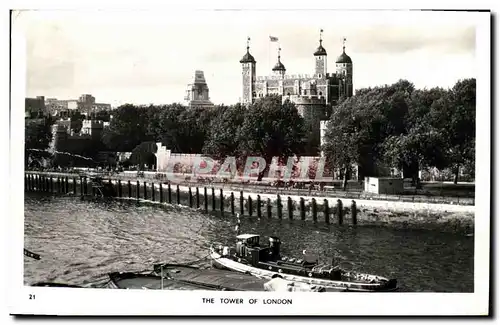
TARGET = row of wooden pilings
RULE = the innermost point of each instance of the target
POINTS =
(62, 185)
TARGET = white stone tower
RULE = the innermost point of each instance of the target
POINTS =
(248, 66)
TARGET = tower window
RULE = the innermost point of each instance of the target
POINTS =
(288, 94)
(321, 93)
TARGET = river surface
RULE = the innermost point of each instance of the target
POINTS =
(81, 241)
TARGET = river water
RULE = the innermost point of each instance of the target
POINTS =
(81, 241)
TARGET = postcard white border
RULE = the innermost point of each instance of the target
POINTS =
(131, 302)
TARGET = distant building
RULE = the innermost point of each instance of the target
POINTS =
(34, 107)
(197, 92)
(85, 104)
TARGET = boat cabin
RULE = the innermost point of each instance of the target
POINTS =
(248, 239)
(249, 249)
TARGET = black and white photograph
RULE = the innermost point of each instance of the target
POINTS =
(250, 162)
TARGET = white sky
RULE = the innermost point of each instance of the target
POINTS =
(147, 57)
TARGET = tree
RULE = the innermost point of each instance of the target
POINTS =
(455, 116)
(77, 121)
(421, 147)
(343, 139)
(416, 144)
(38, 133)
(221, 139)
(127, 129)
(271, 129)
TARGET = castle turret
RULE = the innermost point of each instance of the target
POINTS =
(279, 69)
(248, 66)
(344, 70)
(320, 59)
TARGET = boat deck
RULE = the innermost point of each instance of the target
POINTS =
(220, 278)
(178, 277)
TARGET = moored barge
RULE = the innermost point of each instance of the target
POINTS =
(250, 257)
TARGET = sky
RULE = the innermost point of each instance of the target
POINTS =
(145, 57)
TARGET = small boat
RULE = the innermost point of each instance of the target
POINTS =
(266, 262)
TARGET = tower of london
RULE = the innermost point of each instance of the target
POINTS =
(314, 94)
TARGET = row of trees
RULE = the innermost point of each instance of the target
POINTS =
(267, 128)
(400, 126)
(394, 125)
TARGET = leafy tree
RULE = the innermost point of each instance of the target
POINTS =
(38, 133)
(127, 129)
(77, 121)
(271, 129)
(343, 139)
(221, 138)
(455, 116)
(416, 144)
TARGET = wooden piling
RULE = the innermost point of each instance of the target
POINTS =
(302, 209)
(178, 194)
(259, 212)
(74, 185)
(221, 202)
(326, 211)
(205, 200)
(119, 188)
(129, 185)
(269, 209)
(197, 198)
(340, 212)
(153, 190)
(242, 204)
(145, 191)
(279, 207)
(232, 203)
(314, 210)
(354, 213)
(213, 199)
(290, 208)
(250, 206)
(169, 193)
(138, 191)
(161, 193)
(67, 185)
(190, 193)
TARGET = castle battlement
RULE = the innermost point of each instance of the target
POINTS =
(306, 99)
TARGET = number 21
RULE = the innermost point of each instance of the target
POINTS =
(32, 297)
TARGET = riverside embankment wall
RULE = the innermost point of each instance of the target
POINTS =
(331, 210)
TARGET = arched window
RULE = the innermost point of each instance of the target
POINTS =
(321, 93)
(288, 94)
